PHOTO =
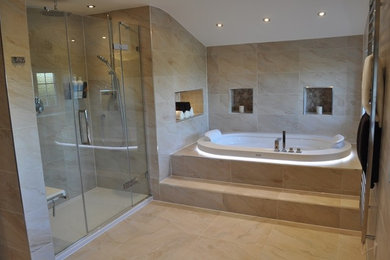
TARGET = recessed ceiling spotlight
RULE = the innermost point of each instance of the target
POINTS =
(104, 37)
(91, 6)
(266, 19)
(321, 13)
(219, 25)
(73, 40)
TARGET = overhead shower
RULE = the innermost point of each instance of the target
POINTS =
(53, 12)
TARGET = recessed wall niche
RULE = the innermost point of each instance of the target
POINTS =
(318, 100)
(241, 100)
(188, 104)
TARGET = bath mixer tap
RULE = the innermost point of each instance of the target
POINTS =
(284, 142)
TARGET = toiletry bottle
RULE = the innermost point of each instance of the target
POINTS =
(74, 86)
(85, 89)
(80, 85)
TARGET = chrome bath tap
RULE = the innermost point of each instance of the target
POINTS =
(284, 142)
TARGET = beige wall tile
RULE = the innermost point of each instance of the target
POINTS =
(21, 102)
(312, 214)
(7, 160)
(250, 205)
(277, 61)
(284, 69)
(312, 178)
(350, 219)
(203, 168)
(351, 182)
(179, 64)
(257, 173)
(14, 235)
(193, 197)
(10, 198)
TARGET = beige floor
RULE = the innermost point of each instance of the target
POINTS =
(169, 231)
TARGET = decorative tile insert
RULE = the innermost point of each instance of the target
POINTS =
(243, 98)
(318, 100)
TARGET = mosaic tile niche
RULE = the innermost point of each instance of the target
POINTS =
(241, 97)
(315, 98)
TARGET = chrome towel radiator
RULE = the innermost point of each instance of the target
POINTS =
(372, 33)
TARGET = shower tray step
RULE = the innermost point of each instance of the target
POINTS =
(330, 210)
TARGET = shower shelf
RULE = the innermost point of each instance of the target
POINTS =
(112, 148)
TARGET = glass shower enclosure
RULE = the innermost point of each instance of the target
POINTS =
(89, 102)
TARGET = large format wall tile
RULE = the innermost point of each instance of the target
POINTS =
(313, 214)
(257, 173)
(179, 64)
(29, 164)
(283, 70)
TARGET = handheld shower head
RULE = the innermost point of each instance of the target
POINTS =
(105, 61)
(101, 58)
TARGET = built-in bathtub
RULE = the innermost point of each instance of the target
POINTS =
(313, 148)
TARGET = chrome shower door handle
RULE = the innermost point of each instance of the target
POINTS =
(85, 136)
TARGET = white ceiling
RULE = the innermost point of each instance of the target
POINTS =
(242, 19)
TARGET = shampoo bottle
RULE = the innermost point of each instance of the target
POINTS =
(80, 85)
(74, 86)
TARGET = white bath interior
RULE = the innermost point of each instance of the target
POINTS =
(313, 148)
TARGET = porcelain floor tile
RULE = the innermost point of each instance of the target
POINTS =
(169, 231)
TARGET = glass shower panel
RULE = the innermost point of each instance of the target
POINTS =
(107, 125)
(90, 120)
(56, 126)
(128, 57)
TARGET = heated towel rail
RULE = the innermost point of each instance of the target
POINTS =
(372, 32)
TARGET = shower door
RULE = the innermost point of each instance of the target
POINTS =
(56, 120)
(116, 127)
(89, 99)
(127, 54)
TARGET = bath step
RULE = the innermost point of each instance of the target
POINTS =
(331, 210)
(340, 178)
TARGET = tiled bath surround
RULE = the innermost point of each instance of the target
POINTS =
(278, 72)
(321, 195)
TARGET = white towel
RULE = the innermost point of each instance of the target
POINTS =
(213, 134)
(191, 112)
(338, 141)
(187, 114)
(179, 115)
(367, 85)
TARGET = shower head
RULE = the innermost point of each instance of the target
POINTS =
(101, 58)
(105, 61)
(53, 12)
